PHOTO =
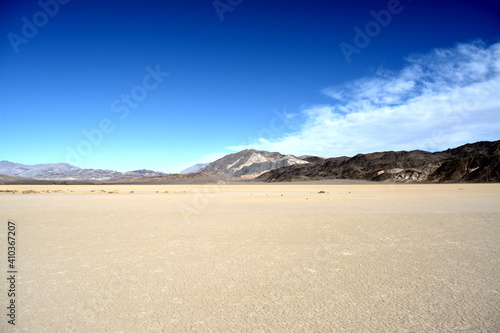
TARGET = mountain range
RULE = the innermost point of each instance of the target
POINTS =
(29, 171)
(64, 171)
(474, 162)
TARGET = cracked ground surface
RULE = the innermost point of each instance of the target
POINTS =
(255, 258)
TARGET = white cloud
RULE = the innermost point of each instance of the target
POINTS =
(439, 100)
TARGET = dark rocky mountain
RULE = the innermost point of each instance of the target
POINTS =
(312, 159)
(250, 163)
(475, 162)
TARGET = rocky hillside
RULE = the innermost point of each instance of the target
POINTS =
(10, 179)
(250, 162)
(476, 162)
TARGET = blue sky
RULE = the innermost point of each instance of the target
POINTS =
(163, 85)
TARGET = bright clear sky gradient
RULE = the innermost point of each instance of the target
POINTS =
(271, 75)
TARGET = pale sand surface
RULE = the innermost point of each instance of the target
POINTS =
(264, 258)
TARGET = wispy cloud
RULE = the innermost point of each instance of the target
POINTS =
(441, 99)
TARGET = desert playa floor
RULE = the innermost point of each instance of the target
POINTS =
(254, 258)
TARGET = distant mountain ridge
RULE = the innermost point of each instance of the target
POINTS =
(29, 171)
(64, 171)
(194, 168)
(97, 174)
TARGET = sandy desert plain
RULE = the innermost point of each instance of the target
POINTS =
(253, 258)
